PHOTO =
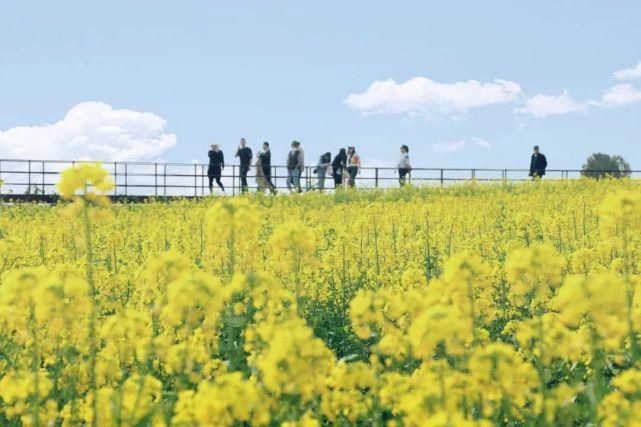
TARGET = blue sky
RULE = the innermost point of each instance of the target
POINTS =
(211, 72)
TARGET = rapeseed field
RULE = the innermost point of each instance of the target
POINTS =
(469, 305)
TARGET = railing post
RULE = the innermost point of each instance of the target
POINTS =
(126, 179)
(156, 179)
(164, 180)
(233, 180)
(115, 179)
(441, 177)
(43, 177)
(202, 180)
(195, 180)
(29, 177)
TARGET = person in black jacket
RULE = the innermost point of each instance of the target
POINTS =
(245, 155)
(216, 165)
(266, 163)
(338, 167)
(538, 164)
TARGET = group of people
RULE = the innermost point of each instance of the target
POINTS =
(344, 167)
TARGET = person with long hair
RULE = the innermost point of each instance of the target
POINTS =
(265, 158)
(338, 167)
(216, 166)
(353, 165)
(261, 179)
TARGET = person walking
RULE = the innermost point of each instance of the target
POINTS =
(245, 155)
(338, 167)
(261, 182)
(353, 165)
(321, 169)
(538, 164)
(404, 166)
(265, 158)
(295, 166)
(216, 166)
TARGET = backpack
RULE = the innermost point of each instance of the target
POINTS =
(292, 159)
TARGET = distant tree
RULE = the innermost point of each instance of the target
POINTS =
(600, 165)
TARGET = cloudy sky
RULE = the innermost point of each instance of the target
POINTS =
(463, 83)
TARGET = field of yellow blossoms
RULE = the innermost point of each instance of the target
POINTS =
(470, 305)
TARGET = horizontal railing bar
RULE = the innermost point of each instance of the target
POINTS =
(148, 174)
(363, 168)
(147, 179)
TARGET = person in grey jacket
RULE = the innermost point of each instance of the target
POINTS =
(404, 166)
(321, 170)
(295, 166)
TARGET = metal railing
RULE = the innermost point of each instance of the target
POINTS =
(152, 179)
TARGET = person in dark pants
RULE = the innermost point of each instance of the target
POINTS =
(266, 163)
(538, 164)
(295, 167)
(245, 155)
(338, 167)
(404, 166)
(216, 166)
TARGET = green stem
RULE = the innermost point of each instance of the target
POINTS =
(470, 296)
(35, 363)
(634, 344)
(378, 263)
(231, 243)
(541, 366)
(92, 318)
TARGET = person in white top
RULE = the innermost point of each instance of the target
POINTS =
(353, 165)
(404, 166)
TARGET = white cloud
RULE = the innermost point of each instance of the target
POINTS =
(454, 146)
(619, 95)
(420, 95)
(93, 131)
(628, 73)
(550, 105)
